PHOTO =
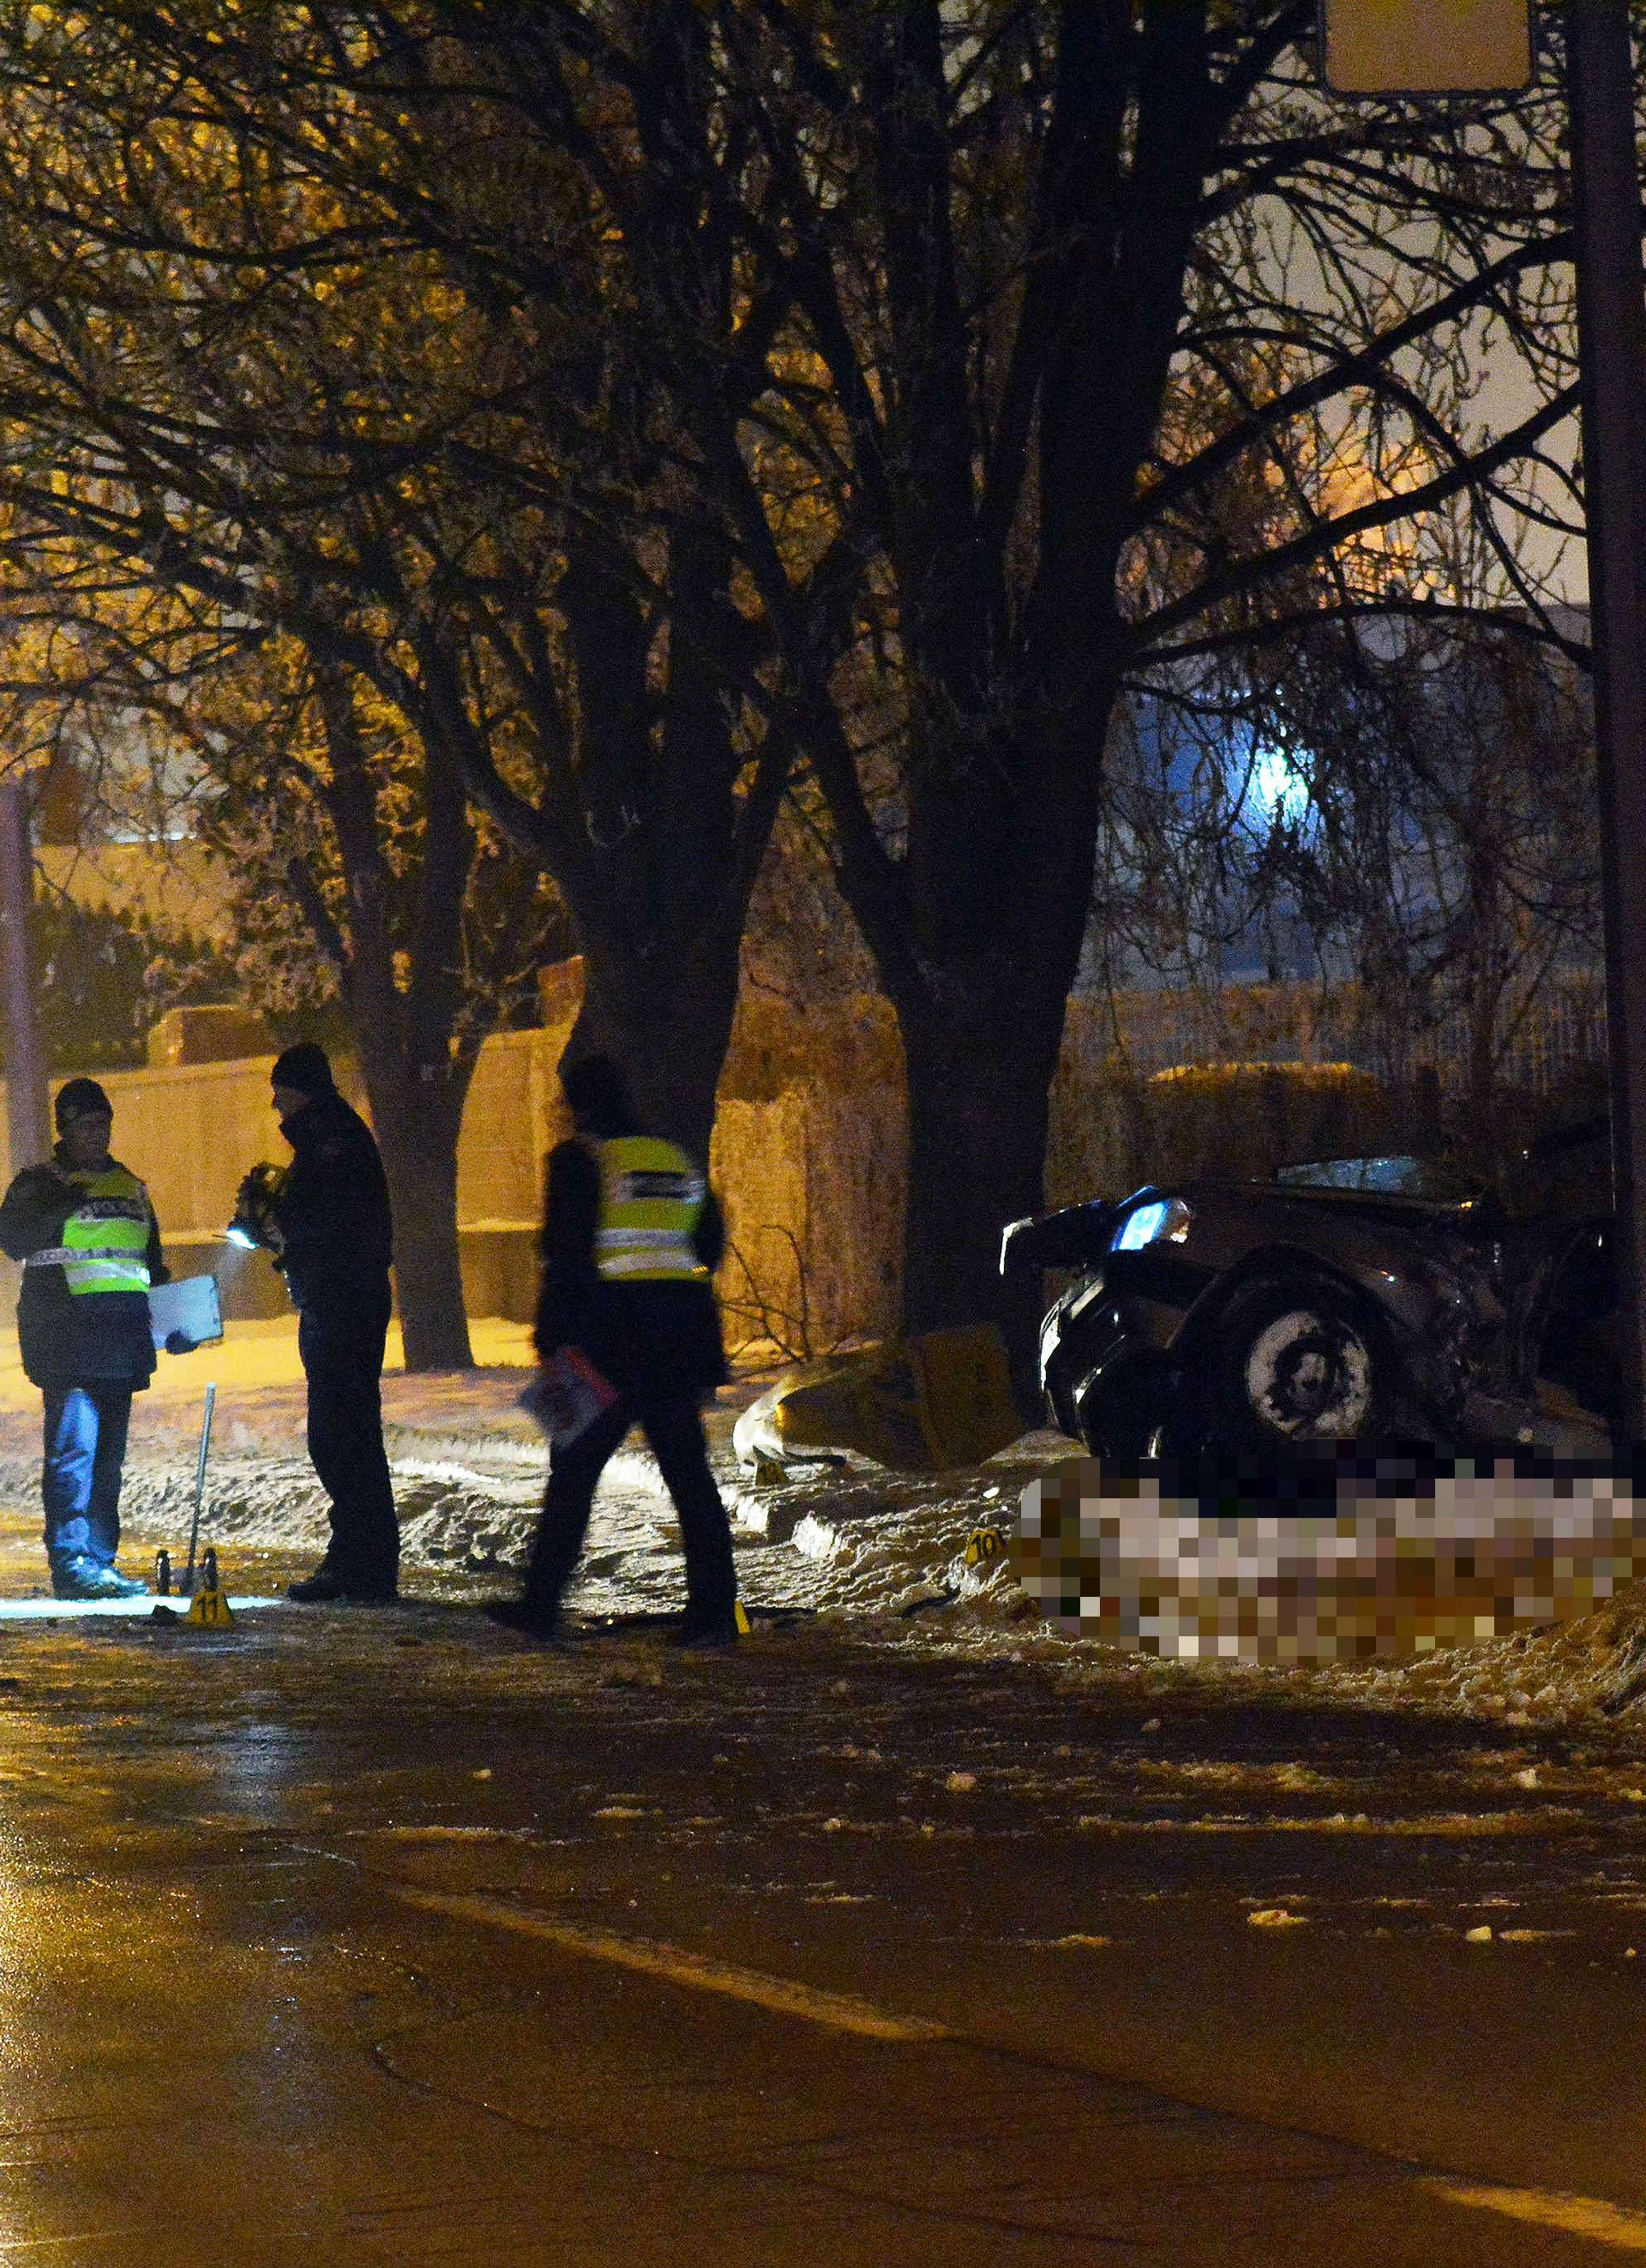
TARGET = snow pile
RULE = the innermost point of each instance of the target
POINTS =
(861, 1543)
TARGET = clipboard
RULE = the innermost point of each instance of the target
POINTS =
(190, 1306)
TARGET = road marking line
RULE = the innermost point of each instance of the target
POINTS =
(10, 2244)
(1580, 2216)
(837, 2010)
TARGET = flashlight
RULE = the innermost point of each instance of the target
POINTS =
(255, 1222)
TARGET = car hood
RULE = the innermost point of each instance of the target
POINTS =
(1079, 1236)
(1360, 1204)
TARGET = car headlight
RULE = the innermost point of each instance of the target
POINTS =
(1163, 1220)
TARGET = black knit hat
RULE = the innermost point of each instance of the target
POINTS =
(597, 1092)
(304, 1067)
(80, 1098)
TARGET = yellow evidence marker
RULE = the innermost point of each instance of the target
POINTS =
(209, 1607)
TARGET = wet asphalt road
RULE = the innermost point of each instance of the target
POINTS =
(381, 1937)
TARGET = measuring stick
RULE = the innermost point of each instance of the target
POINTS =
(200, 1488)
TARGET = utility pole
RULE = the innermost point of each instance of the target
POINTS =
(1612, 348)
(26, 1118)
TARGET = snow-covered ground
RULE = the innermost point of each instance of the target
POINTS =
(886, 1552)
(468, 1470)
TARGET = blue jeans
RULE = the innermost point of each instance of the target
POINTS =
(86, 1447)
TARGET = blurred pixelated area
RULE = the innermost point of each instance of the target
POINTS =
(1347, 1556)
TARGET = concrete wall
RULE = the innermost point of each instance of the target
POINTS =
(812, 1183)
(799, 1175)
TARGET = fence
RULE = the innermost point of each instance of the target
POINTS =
(191, 1131)
(810, 1145)
(1565, 1025)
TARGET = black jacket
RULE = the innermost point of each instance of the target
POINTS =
(332, 1213)
(99, 1338)
(651, 1340)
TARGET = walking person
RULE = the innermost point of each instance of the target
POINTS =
(84, 1229)
(335, 1246)
(632, 1236)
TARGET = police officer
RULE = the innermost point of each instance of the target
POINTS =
(85, 1232)
(632, 1235)
(330, 1211)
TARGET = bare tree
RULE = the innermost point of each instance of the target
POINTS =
(373, 874)
(1005, 352)
(1446, 852)
(188, 537)
(356, 872)
(298, 377)
(1111, 344)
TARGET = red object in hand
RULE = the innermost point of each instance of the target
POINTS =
(567, 1396)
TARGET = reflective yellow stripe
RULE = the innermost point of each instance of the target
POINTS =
(106, 1275)
(651, 1198)
(105, 1239)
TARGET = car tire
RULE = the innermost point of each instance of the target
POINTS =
(1298, 1366)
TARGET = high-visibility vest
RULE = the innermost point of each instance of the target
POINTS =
(651, 1195)
(106, 1238)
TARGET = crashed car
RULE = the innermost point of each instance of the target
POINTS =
(1346, 1300)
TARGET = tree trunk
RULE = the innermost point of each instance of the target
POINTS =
(416, 1127)
(979, 1080)
(670, 1041)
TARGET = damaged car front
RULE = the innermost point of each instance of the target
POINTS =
(1351, 1300)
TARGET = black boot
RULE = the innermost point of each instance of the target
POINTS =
(87, 1579)
(529, 1619)
(331, 1585)
(695, 1633)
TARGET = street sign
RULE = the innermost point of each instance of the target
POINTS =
(1425, 46)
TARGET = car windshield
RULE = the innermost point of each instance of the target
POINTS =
(1388, 1177)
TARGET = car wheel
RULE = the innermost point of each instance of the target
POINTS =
(1298, 1366)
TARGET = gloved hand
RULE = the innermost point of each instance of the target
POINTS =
(47, 1196)
(48, 1175)
(180, 1343)
(48, 1181)
(255, 1207)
